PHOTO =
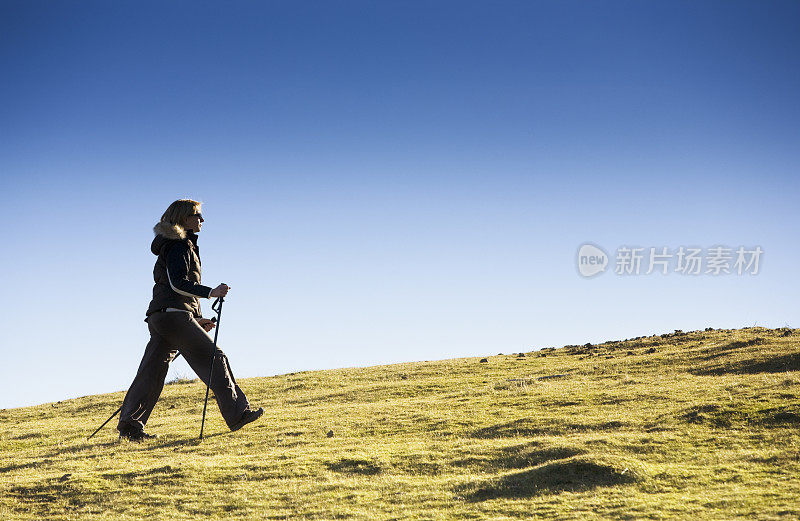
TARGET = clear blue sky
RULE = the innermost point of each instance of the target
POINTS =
(387, 181)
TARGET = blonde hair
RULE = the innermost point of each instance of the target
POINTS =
(179, 211)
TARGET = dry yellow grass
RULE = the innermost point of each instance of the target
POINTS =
(697, 425)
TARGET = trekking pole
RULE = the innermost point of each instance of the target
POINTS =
(120, 407)
(117, 411)
(104, 423)
(217, 306)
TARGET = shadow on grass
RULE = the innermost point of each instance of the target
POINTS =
(574, 475)
(730, 415)
(521, 427)
(155, 476)
(50, 496)
(418, 465)
(524, 456)
(183, 442)
(41, 495)
(519, 457)
(19, 466)
(775, 364)
(81, 446)
(527, 427)
(731, 347)
(354, 466)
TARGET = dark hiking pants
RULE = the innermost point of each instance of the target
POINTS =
(170, 332)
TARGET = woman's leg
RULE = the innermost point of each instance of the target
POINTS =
(184, 333)
(148, 383)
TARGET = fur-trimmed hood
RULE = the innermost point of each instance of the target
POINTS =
(166, 232)
(170, 231)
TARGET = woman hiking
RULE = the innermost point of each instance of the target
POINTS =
(176, 324)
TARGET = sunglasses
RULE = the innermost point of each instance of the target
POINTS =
(198, 215)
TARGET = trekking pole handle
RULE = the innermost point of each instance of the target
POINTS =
(217, 305)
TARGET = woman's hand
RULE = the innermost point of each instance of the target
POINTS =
(219, 291)
(206, 324)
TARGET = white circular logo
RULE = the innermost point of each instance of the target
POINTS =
(592, 260)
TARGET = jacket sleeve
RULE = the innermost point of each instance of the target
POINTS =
(178, 270)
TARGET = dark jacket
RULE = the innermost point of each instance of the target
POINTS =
(177, 270)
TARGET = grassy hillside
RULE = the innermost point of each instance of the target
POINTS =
(698, 425)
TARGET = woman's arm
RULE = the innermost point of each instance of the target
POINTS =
(177, 260)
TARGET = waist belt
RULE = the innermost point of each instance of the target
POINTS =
(162, 310)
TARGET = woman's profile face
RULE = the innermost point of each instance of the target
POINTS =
(195, 221)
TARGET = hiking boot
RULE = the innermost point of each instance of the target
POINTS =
(135, 435)
(248, 416)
